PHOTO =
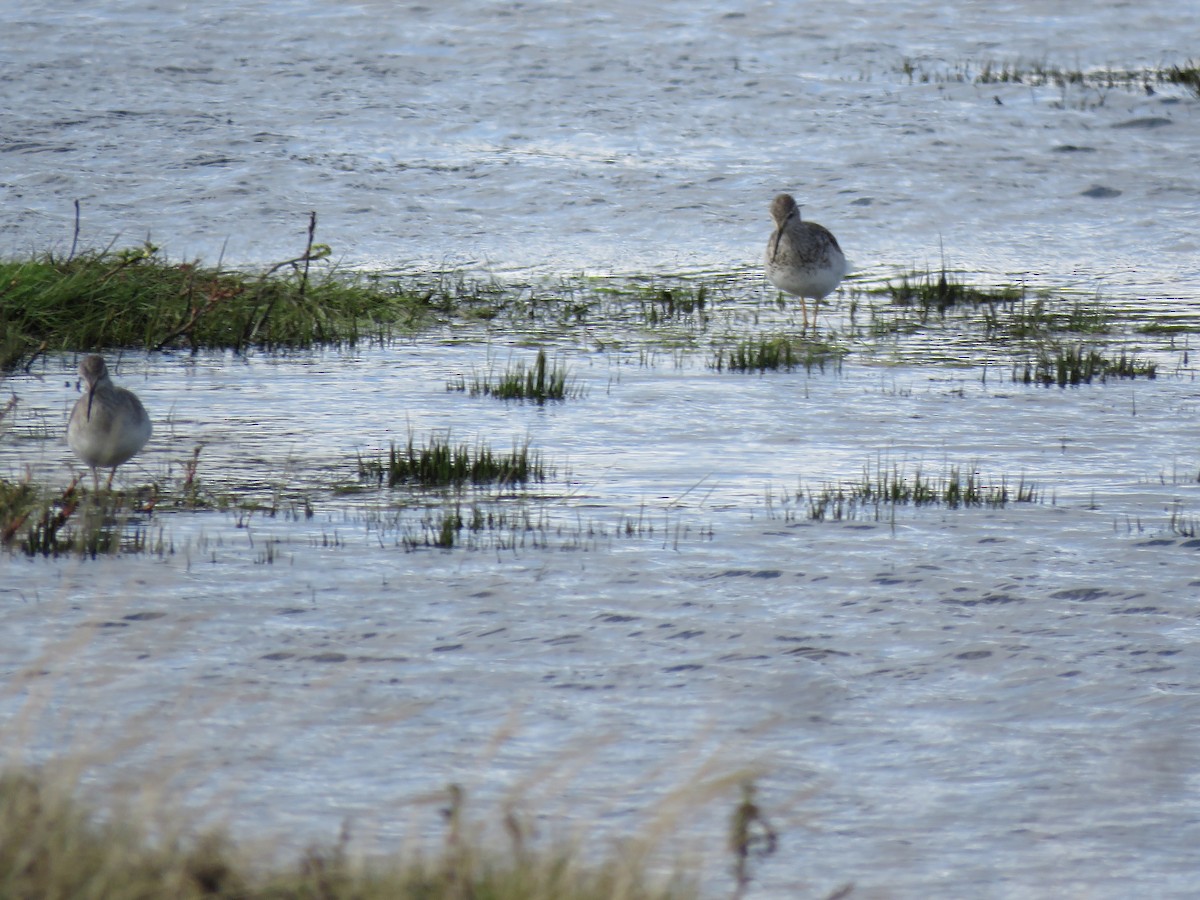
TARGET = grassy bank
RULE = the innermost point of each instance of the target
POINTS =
(134, 299)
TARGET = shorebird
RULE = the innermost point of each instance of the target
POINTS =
(108, 425)
(803, 258)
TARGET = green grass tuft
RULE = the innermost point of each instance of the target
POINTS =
(779, 352)
(891, 487)
(1040, 317)
(441, 464)
(539, 384)
(1187, 75)
(134, 299)
(675, 303)
(1064, 366)
(930, 292)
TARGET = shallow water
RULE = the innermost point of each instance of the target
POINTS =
(624, 139)
(945, 702)
(941, 699)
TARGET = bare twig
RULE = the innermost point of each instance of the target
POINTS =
(75, 237)
(750, 835)
(312, 230)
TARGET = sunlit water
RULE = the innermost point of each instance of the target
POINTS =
(943, 702)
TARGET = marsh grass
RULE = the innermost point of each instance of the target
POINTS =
(940, 291)
(477, 527)
(777, 352)
(540, 383)
(135, 299)
(1037, 74)
(39, 522)
(1041, 73)
(1065, 365)
(51, 846)
(1187, 75)
(442, 464)
(672, 304)
(890, 486)
(1043, 316)
(522, 521)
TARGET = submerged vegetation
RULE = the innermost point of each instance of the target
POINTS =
(75, 520)
(68, 522)
(1064, 365)
(889, 486)
(1037, 74)
(939, 293)
(781, 352)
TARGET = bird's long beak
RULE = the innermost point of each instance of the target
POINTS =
(91, 397)
(795, 212)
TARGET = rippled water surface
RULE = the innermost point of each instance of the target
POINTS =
(943, 702)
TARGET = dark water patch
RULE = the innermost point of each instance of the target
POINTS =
(748, 573)
(279, 656)
(686, 635)
(382, 659)
(200, 161)
(32, 147)
(577, 686)
(111, 625)
(742, 657)
(968, 655)
(329, 658)
(447, 648)
(1080, 595)
(814, 653)
(563, 639)
(145, 616)
(616, 618)
(1145, 122)
(1140, 611)
(1100, 192)
(183, 70)
(985, 600)
(1072, 148)
(683, 667)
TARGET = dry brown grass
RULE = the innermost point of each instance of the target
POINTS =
(52, 847)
